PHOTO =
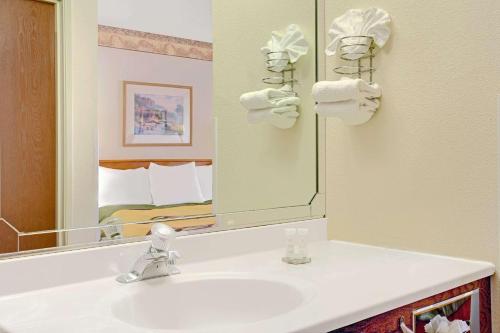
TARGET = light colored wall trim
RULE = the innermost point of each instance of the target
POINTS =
(153, 43)
(61, 107)
(80, 114)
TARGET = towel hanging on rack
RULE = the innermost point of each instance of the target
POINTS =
(361, 23)
(344, 89)
(279, 107)
(352, 100)
(354, 35)
(285, 47)
(266, 98)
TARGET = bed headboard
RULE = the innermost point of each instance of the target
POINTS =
(134, 164)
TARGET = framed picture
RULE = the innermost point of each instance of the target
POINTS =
(157, 114)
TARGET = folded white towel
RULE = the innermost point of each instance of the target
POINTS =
(352, 112)
(288, 114)
(350, 106)
(285, 47)
(282, 122)
(440, 324)
(343, 90)
(283, 109)
(257, 116)
(370, 104)
(262, 99)
(287, 101)
(373, 22)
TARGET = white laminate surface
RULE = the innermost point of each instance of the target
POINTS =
(346, 283)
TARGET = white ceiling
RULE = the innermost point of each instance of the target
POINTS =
(191, 19)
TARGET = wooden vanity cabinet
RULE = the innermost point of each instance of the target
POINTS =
(389, 322)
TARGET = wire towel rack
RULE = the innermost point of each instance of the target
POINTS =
(356, 50)
(279, 62)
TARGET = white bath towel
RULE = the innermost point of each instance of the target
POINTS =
(287, 101)
(262, 99)
(343, 90)
(258, 116)
(350, 106)
(287, 114)
(283, 109)
(284, 47)
(440, 324)
(373, 22)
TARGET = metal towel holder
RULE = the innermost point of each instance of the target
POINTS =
(355, 50)
(287, 73)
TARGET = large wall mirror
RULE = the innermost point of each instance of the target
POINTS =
(122, 113)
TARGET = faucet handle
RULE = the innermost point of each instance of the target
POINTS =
(173, 256)
(172, 260)
(162, 236)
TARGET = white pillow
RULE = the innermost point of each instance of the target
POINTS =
(124, 187)
(172, 185)
(205, 177)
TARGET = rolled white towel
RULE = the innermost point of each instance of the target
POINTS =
(257, 116)
(262, 99)
(350, 106)
(288, 114)
(370, 104)
(282, 121)
(344, 90)
(293, 100)
(283, 109)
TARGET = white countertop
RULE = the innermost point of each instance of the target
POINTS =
(352, 282)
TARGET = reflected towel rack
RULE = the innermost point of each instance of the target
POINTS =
(274, 61)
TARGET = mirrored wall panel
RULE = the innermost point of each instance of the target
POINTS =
(122, 113)
(265, 66)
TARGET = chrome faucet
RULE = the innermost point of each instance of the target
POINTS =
(158, 261)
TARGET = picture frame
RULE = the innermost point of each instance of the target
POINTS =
(157, 114)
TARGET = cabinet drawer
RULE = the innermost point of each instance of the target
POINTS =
(389, 322)
(464, 307)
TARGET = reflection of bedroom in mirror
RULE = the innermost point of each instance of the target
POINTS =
(112, 120)
(154, 116)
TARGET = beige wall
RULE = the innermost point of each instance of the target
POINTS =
(260, 166)
(422, 174)
(116, 66)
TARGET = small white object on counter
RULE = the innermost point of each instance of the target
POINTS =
(296, 247)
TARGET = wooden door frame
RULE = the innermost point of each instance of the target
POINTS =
(62, 111)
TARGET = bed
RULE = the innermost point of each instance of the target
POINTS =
(120, 217)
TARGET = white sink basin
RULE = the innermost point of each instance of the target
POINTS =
(206, 301)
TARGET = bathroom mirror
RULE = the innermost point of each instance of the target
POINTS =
(136, 118)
